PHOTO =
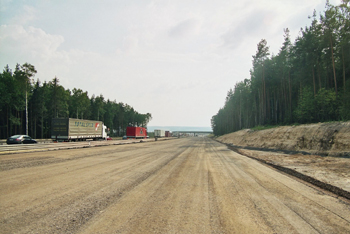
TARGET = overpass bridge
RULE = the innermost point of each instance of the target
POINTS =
(193, 133)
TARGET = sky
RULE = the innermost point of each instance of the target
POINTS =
(174, 59)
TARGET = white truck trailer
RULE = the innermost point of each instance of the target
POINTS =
(69, 129)
(159, 133)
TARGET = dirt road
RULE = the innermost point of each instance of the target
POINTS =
(192, 185)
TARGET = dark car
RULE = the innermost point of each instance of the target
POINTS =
(20, 139)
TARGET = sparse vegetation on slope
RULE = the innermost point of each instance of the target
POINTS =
(322, 138)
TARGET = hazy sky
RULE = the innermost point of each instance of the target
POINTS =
(174, 59)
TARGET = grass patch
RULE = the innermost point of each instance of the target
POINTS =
(260, 127)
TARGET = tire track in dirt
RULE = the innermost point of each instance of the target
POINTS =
(74, 207)
(237, 212)
(166, 202)
(279, 205)
(193, 185)
(315, 203)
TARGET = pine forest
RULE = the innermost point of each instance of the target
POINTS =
(27, 107)
(308, 81)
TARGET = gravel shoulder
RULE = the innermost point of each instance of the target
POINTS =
(330, 170)
(320, 151)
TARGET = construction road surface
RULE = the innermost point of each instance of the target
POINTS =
(187, 185)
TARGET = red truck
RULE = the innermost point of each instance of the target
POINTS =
(167, 134)
(136, 132)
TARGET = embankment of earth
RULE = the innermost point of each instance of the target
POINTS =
(329, 139)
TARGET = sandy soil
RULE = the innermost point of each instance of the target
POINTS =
(330, 170)
(332, 139)
(192, 185)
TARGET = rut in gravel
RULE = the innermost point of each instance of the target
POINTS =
(192, 185)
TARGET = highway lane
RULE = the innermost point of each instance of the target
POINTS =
(45, 146)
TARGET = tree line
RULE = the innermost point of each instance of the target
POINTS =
(28, 106)
(307, 81)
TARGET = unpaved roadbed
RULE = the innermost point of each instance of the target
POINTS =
(192, 185)
(329, 173)
(330, 170)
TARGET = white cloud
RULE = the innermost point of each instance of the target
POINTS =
(256, 23)
(27, 44)
(130, 45)
(184, 28)
(28, 13)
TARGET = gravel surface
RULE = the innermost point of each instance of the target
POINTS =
(191, 185)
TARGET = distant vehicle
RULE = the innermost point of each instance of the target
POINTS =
(159, 133)
(136, 132)
(167, 134)
(20, 139)
(125, 138)
(69, 129)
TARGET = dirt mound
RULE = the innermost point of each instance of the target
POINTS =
(331, 139)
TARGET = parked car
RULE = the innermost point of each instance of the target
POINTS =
(20, 139)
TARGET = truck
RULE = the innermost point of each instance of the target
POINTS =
(159, 133)
(167, 134)
(70, 129)
(136, 132)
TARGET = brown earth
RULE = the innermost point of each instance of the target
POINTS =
(191, 185)
(332, 139)
(304, 149)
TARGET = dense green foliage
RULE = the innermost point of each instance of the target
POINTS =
(306, 82)
(50, 100)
